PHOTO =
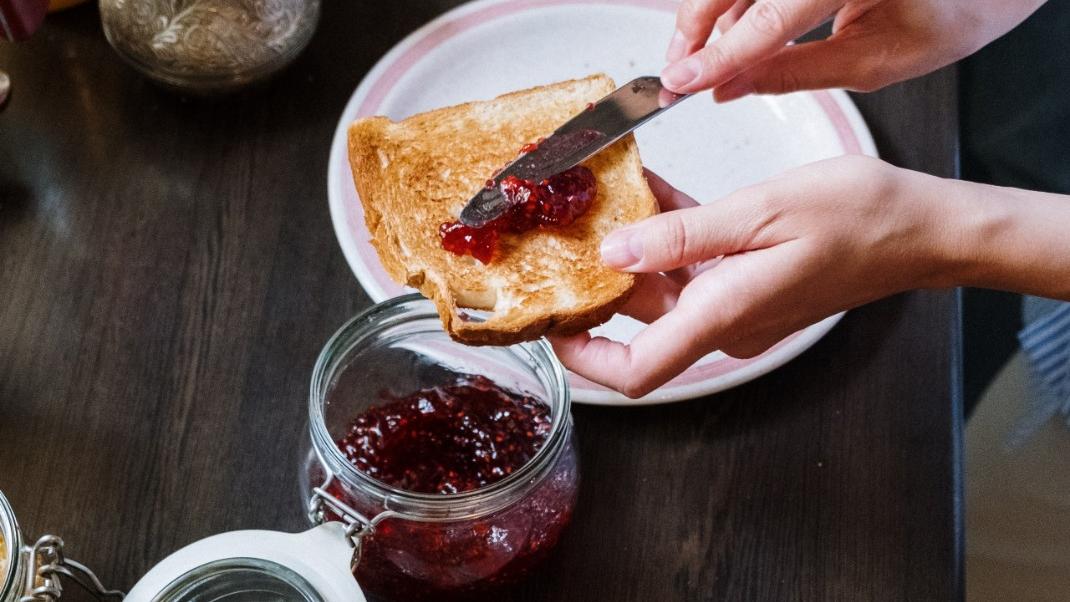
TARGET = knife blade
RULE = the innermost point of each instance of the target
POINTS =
(599, 126)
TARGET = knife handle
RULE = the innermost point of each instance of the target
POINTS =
(602, 124)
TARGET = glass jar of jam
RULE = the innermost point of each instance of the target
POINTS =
(453, 467)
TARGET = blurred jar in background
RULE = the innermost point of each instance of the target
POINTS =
(209, 46)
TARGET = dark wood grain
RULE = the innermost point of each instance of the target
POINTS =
(168, 274)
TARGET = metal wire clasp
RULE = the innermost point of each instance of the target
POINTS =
(47, 564)
(357, 525)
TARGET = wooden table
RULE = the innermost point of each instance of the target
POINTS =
(168, 274)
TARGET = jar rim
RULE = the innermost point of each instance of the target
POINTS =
(366, 323)
(217, 578)
(9, 528)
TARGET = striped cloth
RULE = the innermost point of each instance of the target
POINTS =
(1046, 344)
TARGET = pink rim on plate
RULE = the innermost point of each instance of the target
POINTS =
(347, 215)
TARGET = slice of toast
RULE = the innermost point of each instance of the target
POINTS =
(415, 174)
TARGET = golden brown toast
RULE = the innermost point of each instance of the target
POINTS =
(415, 174)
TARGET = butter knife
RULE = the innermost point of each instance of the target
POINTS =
(602, 124)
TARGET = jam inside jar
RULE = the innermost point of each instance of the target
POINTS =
(462, 457)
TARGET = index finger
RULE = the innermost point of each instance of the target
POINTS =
(764, 28)
(694, 24)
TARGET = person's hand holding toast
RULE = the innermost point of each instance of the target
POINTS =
(740, 274)
(744, 272)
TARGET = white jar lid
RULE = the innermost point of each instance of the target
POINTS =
(262, 565)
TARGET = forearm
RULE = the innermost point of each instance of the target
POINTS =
(994, 17)
(1006, 238)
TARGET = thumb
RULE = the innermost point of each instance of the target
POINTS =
(855, 63)
(680, 238)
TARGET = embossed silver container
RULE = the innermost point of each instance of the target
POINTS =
(209, 46)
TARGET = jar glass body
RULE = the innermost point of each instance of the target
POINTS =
(434, 546)
(208, 46)
(12, 563)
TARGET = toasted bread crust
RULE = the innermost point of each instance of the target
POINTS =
(559, 324)
(415, 174)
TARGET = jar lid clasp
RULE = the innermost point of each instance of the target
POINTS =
(48, 564)
(357, 525)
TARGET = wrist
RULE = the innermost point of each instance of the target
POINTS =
(1002, 238)
(960, 223)
(967, 219)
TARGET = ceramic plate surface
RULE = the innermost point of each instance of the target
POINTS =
(486, 48)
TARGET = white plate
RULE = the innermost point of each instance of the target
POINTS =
(485, 48)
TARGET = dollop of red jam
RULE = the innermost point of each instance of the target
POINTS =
(460, 239)
(463, 435)
(447, 439)
(555, 201)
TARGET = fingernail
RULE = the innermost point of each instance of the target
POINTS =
(677, 47)
(622, 248)
(734, 89)
(679, 74)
